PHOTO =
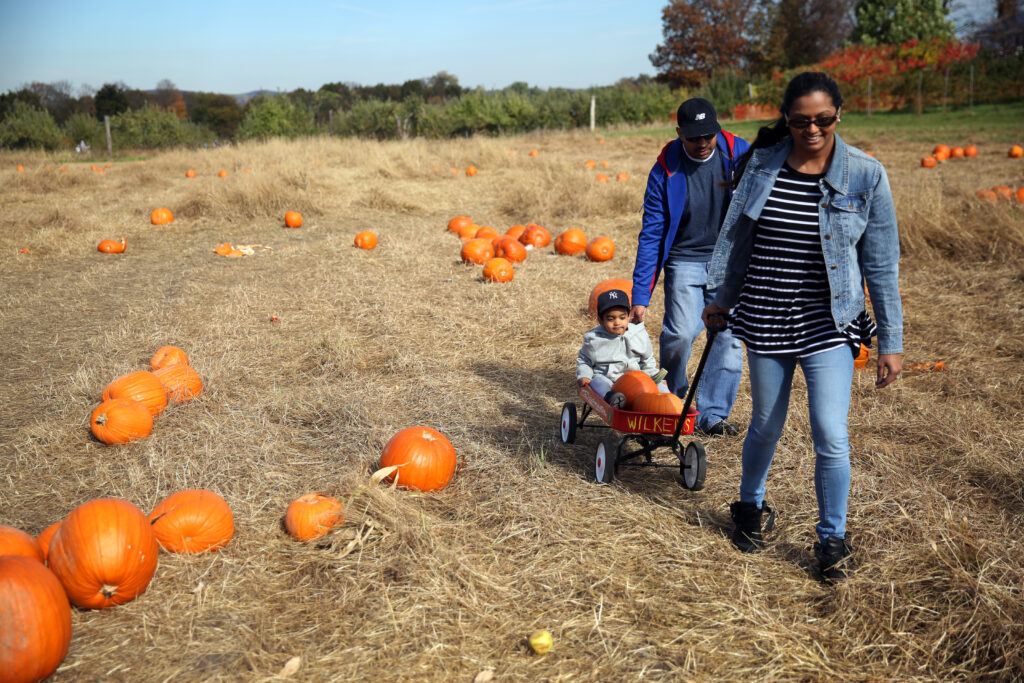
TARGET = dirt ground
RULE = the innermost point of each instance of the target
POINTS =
(636, 580)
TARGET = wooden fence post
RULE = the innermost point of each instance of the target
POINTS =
(106, 124)
(593, 111)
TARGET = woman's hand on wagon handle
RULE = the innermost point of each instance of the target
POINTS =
(713, 310)
(890, 365)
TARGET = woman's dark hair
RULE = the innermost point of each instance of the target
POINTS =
(802, 84)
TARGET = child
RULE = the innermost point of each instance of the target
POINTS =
(614, 347)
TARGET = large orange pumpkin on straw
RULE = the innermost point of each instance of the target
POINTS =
(510, 249)
(601, 249)
(425, 458)
(498, 270)
(659, 403)
(142, 386)
(456, 224)
(104, 553)
(535, 235)
(605, 285)
(571, 242)
(486, 232)
(293, 219)
(17, 542)
(366, 239)
(168, 355)
(161, 216)
(312, 515)
(478, 251)
(35, 620)
(192, 521)
(516, 231)
(634, 383)
(181, 382)
(45, 536)
(120, 420)
(112, 246)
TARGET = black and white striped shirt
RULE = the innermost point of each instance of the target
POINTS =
(785, 307)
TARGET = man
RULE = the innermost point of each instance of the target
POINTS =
(687, 196)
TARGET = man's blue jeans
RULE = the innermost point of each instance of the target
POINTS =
(829, 376)
(686, 295)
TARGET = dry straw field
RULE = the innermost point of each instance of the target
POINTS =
(636, 580)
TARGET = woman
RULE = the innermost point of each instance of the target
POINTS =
(811, 221)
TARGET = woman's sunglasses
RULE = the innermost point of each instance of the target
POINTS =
(821, 122)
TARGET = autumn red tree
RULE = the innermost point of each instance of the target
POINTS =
(701, 36)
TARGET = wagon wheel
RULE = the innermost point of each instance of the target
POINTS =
(604, 460)
(568, 428)
(693, 467)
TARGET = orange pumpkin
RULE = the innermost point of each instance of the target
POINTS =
(168, 355)
(590, 163)
(45, 536)
(571, 242)
(292, 219)
(988, 195)
(535, 235)
(516, 231)
(20, 168)
(312, 515)
(161, 216)
(1003, 191)
(862, 357)
(478, 251)
(956, 153)
(533, 153)
(456, 224)
(601, 249)
(605, 285)
(104, 553)
(1020, 195)
(634, 383)
(471, 171)
(181, 382)
(928, 162)
(35, 620)
(970, 151)
(658, 403)
(512, 250)
(142, 386)
(601, 178)
(190, 173)
(366, 239)
(468, 232)
(223, 249)
(1016, 152)
(941, 152)
(486, 232)
(17, 542)
(112, 247)
(222, 174)
(120, 420)
(622, 176)
(498, 270)
(192, 521)
(425, 458)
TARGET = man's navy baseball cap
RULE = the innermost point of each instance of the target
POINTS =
(613, 298)
(696, 118)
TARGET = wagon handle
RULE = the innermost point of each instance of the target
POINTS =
(712, 333)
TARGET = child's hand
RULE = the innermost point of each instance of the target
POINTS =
(583, 381)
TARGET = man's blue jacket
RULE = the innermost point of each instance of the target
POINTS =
(663, 208)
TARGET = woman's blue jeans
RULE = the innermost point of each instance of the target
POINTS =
(686, 295)
(829, 377)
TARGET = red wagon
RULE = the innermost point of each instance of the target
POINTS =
(642, 434)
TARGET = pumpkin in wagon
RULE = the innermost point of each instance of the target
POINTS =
(660, 403)
(634, 383)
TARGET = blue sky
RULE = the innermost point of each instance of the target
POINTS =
(235, 47)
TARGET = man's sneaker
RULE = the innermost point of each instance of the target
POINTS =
(834, 560)
(616, 399)
(748, 535)
(720, 428)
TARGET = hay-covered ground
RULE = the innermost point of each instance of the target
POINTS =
(637, 580)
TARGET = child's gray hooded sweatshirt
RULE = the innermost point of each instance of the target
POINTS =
(613, 355)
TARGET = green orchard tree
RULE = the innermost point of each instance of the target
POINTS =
(891, 22)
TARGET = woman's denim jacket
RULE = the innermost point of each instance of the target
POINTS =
(859, 238)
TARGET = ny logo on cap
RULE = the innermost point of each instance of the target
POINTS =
(699, 117)
(613, 295)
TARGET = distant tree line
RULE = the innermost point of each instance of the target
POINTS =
(729, 51)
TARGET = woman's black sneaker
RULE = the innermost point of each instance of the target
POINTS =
(748, 535)
(834, 560)
(720, 428)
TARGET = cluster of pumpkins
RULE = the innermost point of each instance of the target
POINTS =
(944, 153)
(482, 245)
(131, 401)
(104, 553)
(1000, 192)
(601, 177)
(190, 173)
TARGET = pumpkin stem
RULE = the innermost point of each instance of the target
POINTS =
(101, 419)
(108, 591)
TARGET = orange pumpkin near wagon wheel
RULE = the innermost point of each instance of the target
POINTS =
(425, 459)
(35, 620)
(659, 403)
(633, 384)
